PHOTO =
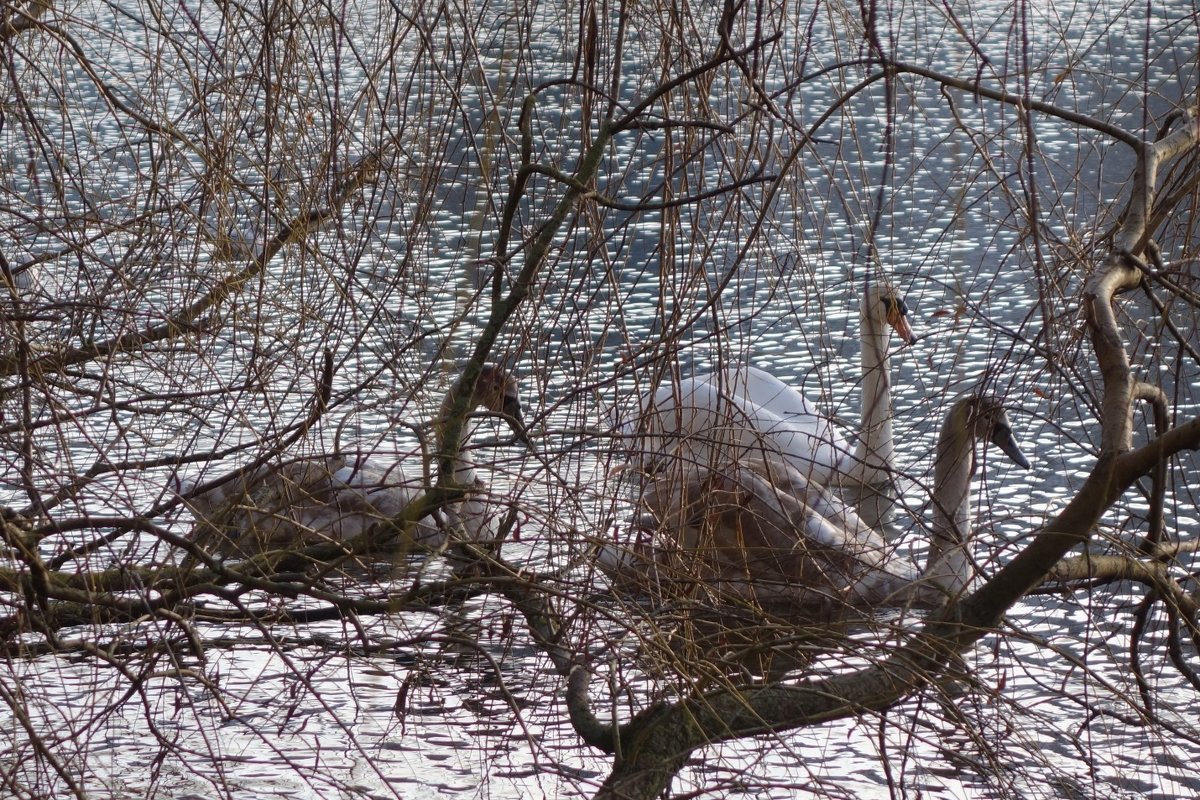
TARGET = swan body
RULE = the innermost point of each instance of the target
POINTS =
(741, 410)
(307, 500)
(760, 531)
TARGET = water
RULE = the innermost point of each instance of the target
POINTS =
(455, 702)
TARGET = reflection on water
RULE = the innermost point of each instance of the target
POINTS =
(456, 703)
(448, 704)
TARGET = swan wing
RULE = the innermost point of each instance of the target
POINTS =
(802, 432)
(383, 484)
(759, 529)
(273, 506)
(304, 501)
(770, 393)
(835, 557)
(383, 488)
(756, 411)
(827, 522)
(707, 418)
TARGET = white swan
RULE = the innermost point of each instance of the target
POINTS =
(303, 501)
(759, 531)
(741, 410)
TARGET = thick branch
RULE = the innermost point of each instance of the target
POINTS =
(1116, 275)
(657, 741)
(1134, 233)
(1110, 568)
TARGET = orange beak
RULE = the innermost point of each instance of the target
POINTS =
(899, 322)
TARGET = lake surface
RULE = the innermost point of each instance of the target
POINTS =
(456, 702)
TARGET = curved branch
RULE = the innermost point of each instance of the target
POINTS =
(591, 730)
(658, 740)
(1112, 568)
(1018, 100)
(1158, 476)
(1141, 462)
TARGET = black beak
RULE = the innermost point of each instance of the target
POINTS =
(512, 412)
(1002, 437)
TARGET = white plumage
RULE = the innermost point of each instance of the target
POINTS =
(745, 412)
(757, 530)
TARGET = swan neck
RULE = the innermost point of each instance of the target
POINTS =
(875, 451)
(949, 566)
(464, 468)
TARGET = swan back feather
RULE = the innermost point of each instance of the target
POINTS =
(704, 422)
(757, 530)
(744, 410)
(308, 500)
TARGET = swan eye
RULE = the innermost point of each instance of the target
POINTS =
(894, 309)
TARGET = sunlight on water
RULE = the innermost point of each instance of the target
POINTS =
(452, 704)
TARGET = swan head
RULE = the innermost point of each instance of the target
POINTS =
(985, 419)
(885, 305)
(496, 390)
(201, 503)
